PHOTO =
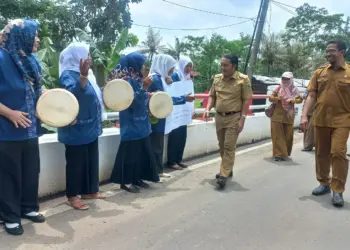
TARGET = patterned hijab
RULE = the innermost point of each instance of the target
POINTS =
(129, 66)
(18, 38)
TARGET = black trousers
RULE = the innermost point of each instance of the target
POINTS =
(157, 140)
(19, 179)
(176, 145)
(82, 169)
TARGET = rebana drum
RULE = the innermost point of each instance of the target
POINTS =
(118, 95)
(57, 108)
(160, 105)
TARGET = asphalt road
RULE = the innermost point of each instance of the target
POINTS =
(267, 205)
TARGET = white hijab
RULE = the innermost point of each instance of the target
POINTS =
(180, 69)
(161, 65)
(70, 60)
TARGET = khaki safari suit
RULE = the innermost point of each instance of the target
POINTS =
(282, 127)
(229, 97)
(331, 120)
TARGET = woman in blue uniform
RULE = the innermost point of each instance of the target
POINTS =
(162, 68)
(20, 88)
(177, 137)
(135, 159)
(81, 137)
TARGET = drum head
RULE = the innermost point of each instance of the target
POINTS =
(57, 108)
(118, 95)
(160, 105)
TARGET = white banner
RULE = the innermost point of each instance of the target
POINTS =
(182, 114)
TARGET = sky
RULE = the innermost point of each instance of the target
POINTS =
(157, 13)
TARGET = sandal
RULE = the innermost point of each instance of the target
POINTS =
(77, 203)
(97, 196)
(175, 167)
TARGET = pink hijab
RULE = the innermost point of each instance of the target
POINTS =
(286, 92)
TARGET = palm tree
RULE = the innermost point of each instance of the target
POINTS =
(152, 43)
(177, 50)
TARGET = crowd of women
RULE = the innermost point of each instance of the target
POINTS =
(140, 154)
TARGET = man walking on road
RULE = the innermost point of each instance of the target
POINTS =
(230, 94)
(329, 89)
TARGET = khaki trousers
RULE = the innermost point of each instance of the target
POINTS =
(227, 133)
(309, 137)
(330, 145)
(282, 139)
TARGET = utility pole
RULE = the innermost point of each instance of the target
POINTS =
(259, 33)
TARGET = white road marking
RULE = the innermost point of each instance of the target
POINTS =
(215, 160)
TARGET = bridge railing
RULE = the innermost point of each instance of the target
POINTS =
(115, 115)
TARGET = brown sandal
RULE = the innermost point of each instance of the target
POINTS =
(97, 196)
(77, 203)
(176, 167)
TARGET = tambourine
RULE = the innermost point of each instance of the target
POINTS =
(160, 105)
(118, 95)
(57, 108)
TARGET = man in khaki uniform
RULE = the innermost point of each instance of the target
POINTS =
(230, 94)
(309, 138)
(329, 89)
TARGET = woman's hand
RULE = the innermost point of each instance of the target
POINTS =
(19, 118)
(168, 80)
(85, 66)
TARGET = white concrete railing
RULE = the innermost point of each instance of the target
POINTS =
(200, 141)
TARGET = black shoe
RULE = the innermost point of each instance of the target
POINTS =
(321, 190)
(338, 200)
(182, 165)
(131, 189)
(306, 150)
(278, 159)
(14, 231)
(218, 175)
(36, 219)
(141, 184)
(221, 181)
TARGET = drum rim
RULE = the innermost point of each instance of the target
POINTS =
(39, 105)
(105, 93)
(170, 101)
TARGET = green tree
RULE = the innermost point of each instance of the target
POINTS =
(315, 26)
(270, 52)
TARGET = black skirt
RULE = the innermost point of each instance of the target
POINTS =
(134, 162)
(82, 169)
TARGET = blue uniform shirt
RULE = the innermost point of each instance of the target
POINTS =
(17, 94)
(134, 121)
(157, 85)
(89, 121)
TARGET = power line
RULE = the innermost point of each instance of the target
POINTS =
(284, 8)
(189, 29)
(206, 11)
(284, 4)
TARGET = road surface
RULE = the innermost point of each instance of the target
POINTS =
(267, 206)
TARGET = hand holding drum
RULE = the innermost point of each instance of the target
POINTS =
(57, 108)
